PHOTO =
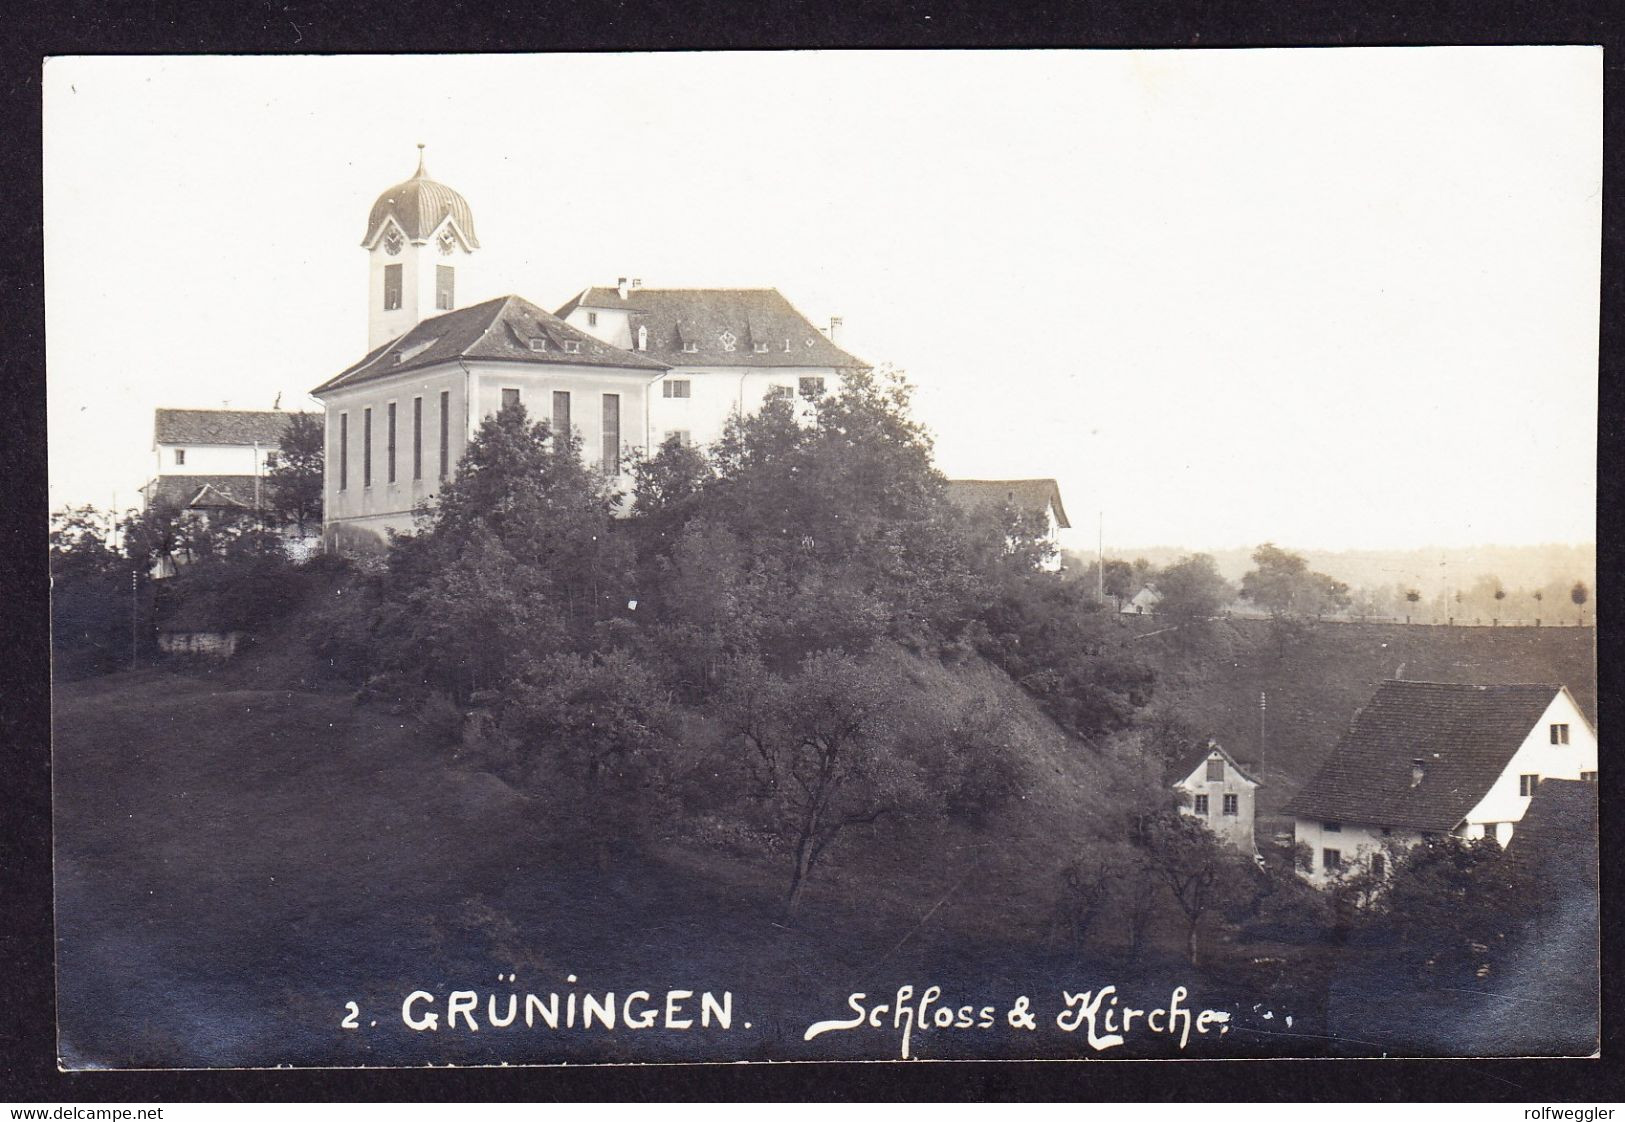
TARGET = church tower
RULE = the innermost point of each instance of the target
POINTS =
(420, 237)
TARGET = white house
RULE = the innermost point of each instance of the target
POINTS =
(1031, 496)
(623, 368)
(1220, 792)
(1425, 759)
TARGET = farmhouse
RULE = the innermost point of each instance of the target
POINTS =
(1041, 497)
(624, 368)
(1425, 759)
(1219, 792)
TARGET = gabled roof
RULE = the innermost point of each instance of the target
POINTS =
(220, 426)
(703, 316)
(203, 491)
(1024, 494)
(506, 328)
(1194, 757)
(1464, 735)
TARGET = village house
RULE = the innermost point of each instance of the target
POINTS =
(1219, 792)
(1424, 759)
(215, 463)
(622, 368)
(1041, 497)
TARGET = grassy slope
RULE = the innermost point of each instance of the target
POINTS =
(1316, 686)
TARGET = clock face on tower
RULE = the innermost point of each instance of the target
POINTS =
(447, 243)
(393, 243)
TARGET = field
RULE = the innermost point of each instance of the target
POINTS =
(235, 862)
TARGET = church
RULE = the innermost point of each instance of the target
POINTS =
(624, 367)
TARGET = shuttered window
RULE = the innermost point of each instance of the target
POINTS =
(344, 451)
(417, 438)
(612, 434)
(1231, 804)
(445, 287)
(561, 414)
(392, 287)
(510, 398)
(389, 444)
(366, 448)
(445, 432)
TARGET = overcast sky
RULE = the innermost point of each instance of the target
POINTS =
(1330, 298)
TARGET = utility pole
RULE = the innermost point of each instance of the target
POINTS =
(135, 626)
(1263, 742)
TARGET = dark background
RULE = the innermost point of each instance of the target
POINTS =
(27, 1029)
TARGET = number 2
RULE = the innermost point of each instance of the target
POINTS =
(350, 1022)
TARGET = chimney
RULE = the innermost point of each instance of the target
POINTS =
(620, 286)
(834, 325)
(637, 282)
(1417, 772)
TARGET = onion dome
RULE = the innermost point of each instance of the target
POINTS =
(419, 206)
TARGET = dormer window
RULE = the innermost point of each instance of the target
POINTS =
(538, 344)
(572, 346)
(760, 348)
(691, 348)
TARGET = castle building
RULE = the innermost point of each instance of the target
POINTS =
(624, 368)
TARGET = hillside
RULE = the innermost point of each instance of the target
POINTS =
(1315, 686)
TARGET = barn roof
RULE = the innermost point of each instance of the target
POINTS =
(1464, 736)
(1024, 494)
(203, 491)
(508, 328)
(1557, 835)
(713, 319)
(220, 426)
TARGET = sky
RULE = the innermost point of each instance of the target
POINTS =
(1330, 298)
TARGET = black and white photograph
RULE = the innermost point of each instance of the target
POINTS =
(574, 559)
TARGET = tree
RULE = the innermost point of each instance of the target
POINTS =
(1282, 583)
(1201, 873)
(91, 593)
(1192, 589)
(1579, 594)
(823, 751)
(295, 483)
(1119, 579)
(590, 731)
(516, 559)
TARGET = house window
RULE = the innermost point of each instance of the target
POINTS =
(777, 393)
(538, 344)
(270, 461)
(592, 319)
(366, 448)
(572, 346)
(1588, 777)
(682, 437)
(344, 450)
(759, 348)
(812, 385)
(1331, 859)
(445, 432)
(392, 287)
(1489, 830)
(180, 457)
(612, 434)
(643, 338)
(1232, 805)
(389, 443)
(1201, 804)
(417, 438)
(561, 414)
(1215, 771)
(1527, 784)
(691, 348)
(445, 287)
(1379, 865)
(1560, 734)
(675, 387)
(510, 398)
(1332, 827)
